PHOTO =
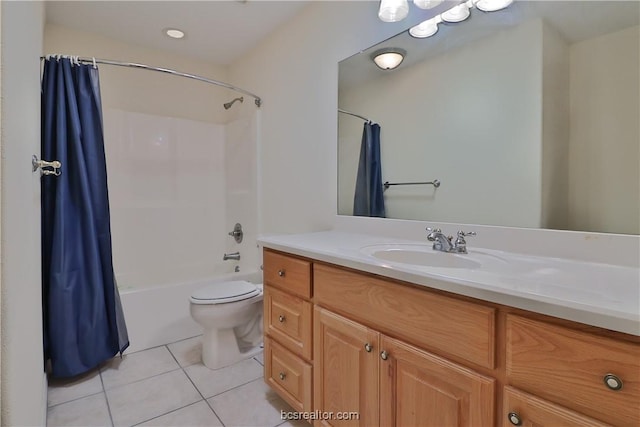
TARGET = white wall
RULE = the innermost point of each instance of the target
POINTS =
(23, 380)
(241, 172)
(168, 163)
(167, 198)
(295, 71)
(555, 130)
(604, 148)
(143, 91)
(470, 118)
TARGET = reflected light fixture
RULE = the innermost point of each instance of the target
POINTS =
(425, 28)
(457, 13)
(174, 33)
(393, 10)
(492, 5)
(388, 58)
(427, 4)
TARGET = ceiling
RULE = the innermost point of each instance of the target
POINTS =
(216, 31)
(574, 20)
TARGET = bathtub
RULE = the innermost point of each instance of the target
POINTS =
(160, 315)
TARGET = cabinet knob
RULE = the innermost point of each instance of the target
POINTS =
(514, 419)
(282, 376)
(384, 355)
(281, 273)
(281, 318)
(368, 347)
(612, 382)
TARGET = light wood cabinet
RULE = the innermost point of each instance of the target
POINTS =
(289, 375)
(390, 383)
(448, 359)
(569, 367)
(346, 369)
(288, 343)
(530, 411)
(421, 389)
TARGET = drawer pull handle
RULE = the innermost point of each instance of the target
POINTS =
(281, 273)
(368, 347)
(282, 376)
(514, 419)
(281, 318)
(613, 382)
(384, 355)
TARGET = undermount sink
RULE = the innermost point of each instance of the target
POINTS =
(422, 255)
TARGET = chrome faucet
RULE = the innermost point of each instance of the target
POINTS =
(234, 256)
(443, 243)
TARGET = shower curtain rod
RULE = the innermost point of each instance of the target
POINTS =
(94, 61)
(340, 110)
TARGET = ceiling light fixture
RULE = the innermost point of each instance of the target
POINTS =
(393, 10)
(492, 5)
(174, 33)
(425, 28)
(388, 58)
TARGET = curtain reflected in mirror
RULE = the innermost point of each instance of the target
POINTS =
(529, 115)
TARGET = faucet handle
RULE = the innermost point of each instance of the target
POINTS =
(433, 230)
(460, 244)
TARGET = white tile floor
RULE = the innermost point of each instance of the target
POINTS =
(167, 386)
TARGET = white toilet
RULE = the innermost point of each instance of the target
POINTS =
(231, 315)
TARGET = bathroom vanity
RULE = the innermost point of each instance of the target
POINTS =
(401, 343)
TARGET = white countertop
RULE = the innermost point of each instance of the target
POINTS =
(597, 294)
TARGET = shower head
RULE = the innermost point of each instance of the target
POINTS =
(228, 105)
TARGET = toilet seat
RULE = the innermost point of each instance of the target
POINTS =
(225, 292)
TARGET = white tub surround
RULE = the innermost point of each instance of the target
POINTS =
(598, 294)
(159, 315)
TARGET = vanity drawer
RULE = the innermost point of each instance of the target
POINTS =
(435, 322)
(288, 273)
(288, 319)
(569, 367)
(530, 410)
(288, 375)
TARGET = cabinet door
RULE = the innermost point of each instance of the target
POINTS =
(523, 409)
(420, 389)
(345, 371)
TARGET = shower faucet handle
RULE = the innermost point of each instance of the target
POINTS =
(237, 233)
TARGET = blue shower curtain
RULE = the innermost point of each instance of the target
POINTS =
(368, 199)
(82, 315)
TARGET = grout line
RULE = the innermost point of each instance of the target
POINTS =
(77, 398)
(194, 386)
(167, 413)
(142, 379)
(107, 400)
(234, 387)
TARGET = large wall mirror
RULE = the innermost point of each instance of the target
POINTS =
(528, 117)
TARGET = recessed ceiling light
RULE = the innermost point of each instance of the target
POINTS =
(174, 33)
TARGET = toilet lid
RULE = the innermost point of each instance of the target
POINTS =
(223, 292)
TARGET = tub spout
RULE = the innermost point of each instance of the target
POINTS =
(234, 256)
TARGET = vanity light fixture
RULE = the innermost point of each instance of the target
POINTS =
(388, 58)
(426, 28)
(427, 4)
(393, 10)
(492, 5)
(457, 13)
(174, 33)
